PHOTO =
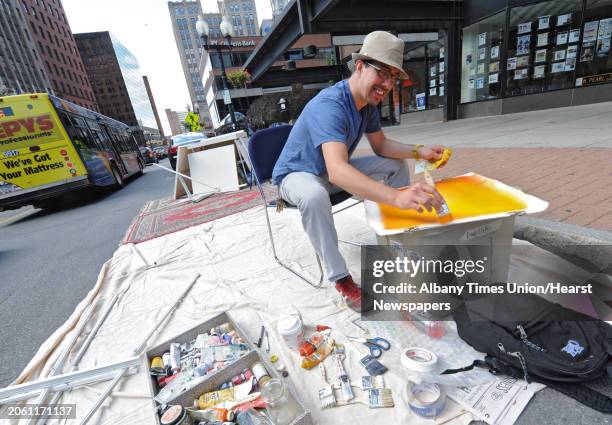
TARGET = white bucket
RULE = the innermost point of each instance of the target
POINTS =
(291, 329)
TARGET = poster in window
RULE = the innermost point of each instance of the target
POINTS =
(471, 83)
(493, 78)
(441, 67)
(572, 51)
(524, 28)
(570, 64)
(480, 83)
(494, 67)
(542, 40)
(521, 74)
(441, 52)
(482, 53)
(494, 52)
(540, 56)
(564, 19)
(559, 55)
(590, 31)
(482, 38)
(522, 61)
(468, 59)
(539, 71)
(587, 52)
(441, 90)
(544, 22)
(420, 101)
(558, 67)
(433, 91)
(562, 38)
(603, 38)
(441, 78)
(433, 71)
(522, 44)
(481, 68)
(432, 83)
(574, 36)
(511, 63)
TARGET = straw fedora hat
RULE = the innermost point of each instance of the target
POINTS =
(383, 47)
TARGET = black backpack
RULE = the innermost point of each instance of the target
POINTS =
(525, 336)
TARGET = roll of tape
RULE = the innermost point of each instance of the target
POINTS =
(426, 400)
(419, 359)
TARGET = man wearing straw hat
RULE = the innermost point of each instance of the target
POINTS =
(316, 160)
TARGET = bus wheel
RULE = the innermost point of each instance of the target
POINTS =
(119, 183)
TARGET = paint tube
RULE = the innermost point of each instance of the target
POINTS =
(318, 356)
(212, 414)
(229, 394)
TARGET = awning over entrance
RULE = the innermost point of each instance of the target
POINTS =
(346, 17)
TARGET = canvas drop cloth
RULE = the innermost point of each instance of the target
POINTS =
(238, 274)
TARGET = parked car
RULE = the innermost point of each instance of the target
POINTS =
(160, 152)
(225, 126)
(148, 155)
(182, 140)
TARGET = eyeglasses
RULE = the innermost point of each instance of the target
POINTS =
(383, 73)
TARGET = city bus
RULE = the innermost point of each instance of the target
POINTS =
(49, 146)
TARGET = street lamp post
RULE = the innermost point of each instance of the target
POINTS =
(227, 31)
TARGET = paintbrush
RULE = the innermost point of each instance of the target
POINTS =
(326, 393)
(376, 399)
(345, 384)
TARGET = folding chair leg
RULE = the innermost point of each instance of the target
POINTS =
(359, 245)
(305, 279)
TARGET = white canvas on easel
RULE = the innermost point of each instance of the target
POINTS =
(213, 170)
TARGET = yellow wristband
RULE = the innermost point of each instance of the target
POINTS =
(415, 153)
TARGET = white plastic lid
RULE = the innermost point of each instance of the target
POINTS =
(289, 325)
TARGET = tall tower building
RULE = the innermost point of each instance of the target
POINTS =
(145, 79)
(242, 14)
(184, 15)
(116, 80)
(21, 67)
(58, 51)
(277, 7)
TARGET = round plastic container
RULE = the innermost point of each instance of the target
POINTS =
(292, 330)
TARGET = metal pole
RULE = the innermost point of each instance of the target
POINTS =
(84, 347)
(224, 79)
(137, 351)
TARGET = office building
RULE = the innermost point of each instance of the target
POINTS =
(277, 7)
(184, 15)
(55, 43)
(116, 81)
(21, 67)
(243, 16)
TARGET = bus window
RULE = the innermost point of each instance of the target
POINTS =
(82, 133)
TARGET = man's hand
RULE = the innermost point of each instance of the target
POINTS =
(417, 197)
(430, 153)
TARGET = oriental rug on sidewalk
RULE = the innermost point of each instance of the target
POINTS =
(163, 216)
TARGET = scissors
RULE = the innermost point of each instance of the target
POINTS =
(376, 345)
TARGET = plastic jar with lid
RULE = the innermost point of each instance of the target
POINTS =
(175, 415)
(282, 407)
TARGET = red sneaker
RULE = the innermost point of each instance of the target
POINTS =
(350, 292)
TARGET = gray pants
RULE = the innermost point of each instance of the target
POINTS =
(310, 193)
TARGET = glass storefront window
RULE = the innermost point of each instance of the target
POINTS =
(543, 46)
(425, 64)
(414, 65)
(436, 74)
(481, 58)
(594, 64)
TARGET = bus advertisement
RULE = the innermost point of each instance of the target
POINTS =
(49, 146)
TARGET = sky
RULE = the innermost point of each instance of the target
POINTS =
(144, 27)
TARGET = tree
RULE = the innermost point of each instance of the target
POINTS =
(238, 78)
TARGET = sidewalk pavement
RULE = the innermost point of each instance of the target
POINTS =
(561, 155)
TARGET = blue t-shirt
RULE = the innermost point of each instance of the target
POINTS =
(330, 116)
